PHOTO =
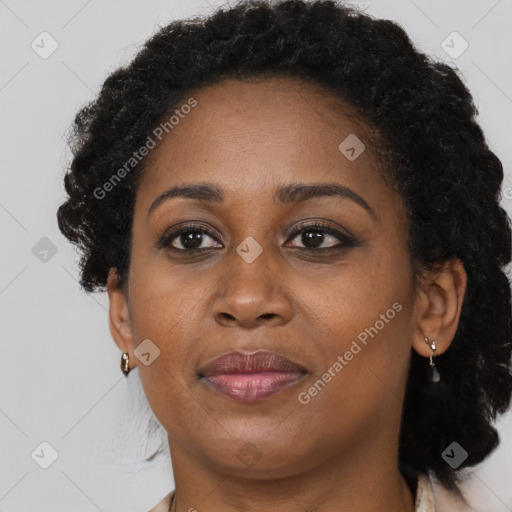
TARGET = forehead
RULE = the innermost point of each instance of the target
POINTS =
(250, 135)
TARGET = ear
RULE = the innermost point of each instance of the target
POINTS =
(438, 306)
(119, 316)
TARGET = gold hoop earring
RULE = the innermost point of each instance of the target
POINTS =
(125, 364)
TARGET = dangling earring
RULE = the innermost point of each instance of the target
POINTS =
(434, 377)
(125, 367)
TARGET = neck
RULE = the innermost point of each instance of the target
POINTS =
(350, 481)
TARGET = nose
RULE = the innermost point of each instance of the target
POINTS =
(252, 294)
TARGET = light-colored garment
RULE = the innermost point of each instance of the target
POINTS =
(425, 501)
(164, 505)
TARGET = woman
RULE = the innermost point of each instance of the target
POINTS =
(296, 218)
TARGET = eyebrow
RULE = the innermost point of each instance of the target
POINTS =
(291, 193)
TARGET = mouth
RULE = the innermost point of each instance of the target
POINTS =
(250, 377)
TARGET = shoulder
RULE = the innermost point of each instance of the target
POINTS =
(164, 504)
(447, 501)
(432, 496)
(425, 501)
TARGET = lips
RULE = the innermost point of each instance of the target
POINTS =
(251, 376)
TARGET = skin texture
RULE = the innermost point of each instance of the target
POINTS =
(339, 451)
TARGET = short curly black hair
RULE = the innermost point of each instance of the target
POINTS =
(435, 154)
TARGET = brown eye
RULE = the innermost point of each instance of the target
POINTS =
(314, 236)
(188, 238)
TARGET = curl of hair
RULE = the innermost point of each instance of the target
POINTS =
(435, 154)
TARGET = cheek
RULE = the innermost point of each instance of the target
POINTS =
(162, 295)
(358, 294)
(164, 309)
(363, 319)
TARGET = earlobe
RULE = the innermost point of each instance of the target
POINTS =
(119, 315)
(438, 307)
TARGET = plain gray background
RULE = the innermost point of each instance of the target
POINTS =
(60, 381)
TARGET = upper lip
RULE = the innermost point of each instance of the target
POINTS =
(249, 362)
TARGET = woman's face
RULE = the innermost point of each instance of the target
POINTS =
(338, 304)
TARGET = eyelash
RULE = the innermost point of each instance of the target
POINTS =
(346, 241)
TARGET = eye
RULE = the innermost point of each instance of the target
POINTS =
(195, 237)
(192, 237)
(314, 235)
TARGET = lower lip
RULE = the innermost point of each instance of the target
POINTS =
(251, 387)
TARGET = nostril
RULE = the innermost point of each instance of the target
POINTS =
(227, 316)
